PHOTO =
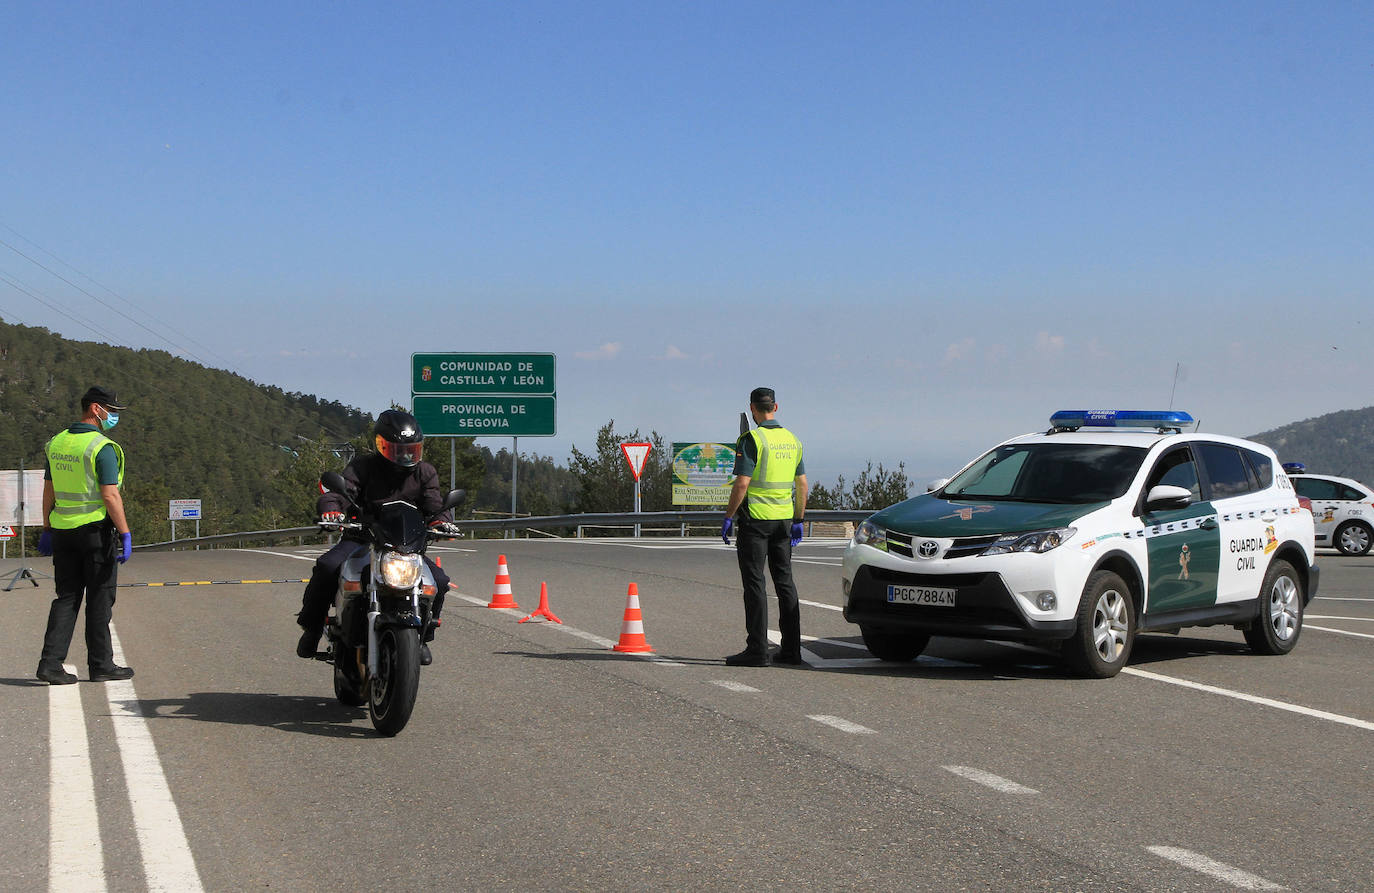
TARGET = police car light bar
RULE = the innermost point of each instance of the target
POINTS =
(1294, 468)
(1072, 419)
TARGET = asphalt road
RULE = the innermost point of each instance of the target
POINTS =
(538, 758)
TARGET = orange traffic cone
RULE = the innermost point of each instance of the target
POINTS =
(502, 597)
(543, 609)
(632, 628)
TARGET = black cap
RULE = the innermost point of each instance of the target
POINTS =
(762, 397)
(105, 398)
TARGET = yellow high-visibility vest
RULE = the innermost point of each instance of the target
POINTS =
(75, 485)
(770, 487)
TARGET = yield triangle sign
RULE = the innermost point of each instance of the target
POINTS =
(636, 454)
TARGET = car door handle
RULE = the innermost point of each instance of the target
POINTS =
(1207, 524)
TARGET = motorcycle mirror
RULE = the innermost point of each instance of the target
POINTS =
(454, 499)
(333, 482)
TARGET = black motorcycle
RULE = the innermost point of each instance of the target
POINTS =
(382, 609)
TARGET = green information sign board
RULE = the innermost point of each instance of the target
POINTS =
(483, 373)
(483, 416)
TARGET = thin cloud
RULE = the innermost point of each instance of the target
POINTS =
(959, 350)
(608, 351)
(1046, 343)
(674, 354)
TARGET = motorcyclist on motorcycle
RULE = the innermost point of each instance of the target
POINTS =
(394, 471)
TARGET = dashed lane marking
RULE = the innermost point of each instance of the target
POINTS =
(987, 779)
(844, 725)
(279, 554)
(1331, 617)
(1214, 869)
(76, 862)
(735, 686)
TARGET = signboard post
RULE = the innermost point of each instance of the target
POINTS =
(636, 454)
(484, 394)
(27, 487)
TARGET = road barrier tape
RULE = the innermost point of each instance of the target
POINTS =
(209, 583)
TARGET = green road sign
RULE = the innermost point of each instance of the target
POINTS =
(482, 373)
(482, 416)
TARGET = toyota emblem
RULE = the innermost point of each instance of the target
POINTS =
(929, 548)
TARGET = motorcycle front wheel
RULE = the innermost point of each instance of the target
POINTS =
(391, 693)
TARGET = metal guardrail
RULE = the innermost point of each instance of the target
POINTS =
(544, 522)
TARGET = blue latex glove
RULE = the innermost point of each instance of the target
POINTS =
(726, 529)
(796, 532)
(126, 546)
(45, 543)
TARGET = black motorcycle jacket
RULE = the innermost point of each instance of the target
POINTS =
(373, 480)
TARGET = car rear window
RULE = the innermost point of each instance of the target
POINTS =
(1227, 470)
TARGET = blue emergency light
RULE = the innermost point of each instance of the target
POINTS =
(1073, 419)
(1294, 468)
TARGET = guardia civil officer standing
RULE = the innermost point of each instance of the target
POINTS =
(769, 496)
(87, 535)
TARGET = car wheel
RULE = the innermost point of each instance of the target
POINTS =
(1353, 538)
(1276, 629)
(898, 648)
(1105, 627)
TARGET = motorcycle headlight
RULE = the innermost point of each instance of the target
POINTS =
(400, 571)
(870, 534)
(1035, 541)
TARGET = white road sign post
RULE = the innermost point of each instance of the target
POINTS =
(636, 454)
(183, 510)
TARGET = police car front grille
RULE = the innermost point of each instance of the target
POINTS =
(970, 545)
(901, 544)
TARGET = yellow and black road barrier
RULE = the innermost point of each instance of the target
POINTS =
(209, 583)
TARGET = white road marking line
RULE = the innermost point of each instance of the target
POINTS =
(281, 554)
(735, 686)
(1254, 699)
(820, 605)
(821, 562)
(1212, 868)
(843, 725)
(1336, 598)
(574, 631)
(76, 861)
(987, 779)
(1330, 617)
(167, 862)
(1342, 632)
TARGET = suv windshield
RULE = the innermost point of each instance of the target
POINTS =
(1049, 472)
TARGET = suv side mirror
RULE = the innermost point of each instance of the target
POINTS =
(1165, 496)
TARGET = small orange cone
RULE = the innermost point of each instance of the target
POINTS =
(502, 597)
(543, 609)
(632, 628)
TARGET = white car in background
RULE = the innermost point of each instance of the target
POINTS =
(1342, 508)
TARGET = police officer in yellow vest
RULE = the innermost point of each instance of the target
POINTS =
(87, 535)
(769, 495)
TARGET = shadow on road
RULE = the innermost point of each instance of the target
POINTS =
(291, 713)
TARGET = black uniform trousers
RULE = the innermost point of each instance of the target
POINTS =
(84, 566)
(757, 542)
(324, 582)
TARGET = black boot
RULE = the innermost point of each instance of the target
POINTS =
(310, 642)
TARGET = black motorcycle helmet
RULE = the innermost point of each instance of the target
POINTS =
(399, 437)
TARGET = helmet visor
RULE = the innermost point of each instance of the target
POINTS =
(406, 454)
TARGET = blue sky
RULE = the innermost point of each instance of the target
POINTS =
(927, 226)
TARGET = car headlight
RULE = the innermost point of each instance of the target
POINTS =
(400, 571)
(870, 534)
(1035, 541)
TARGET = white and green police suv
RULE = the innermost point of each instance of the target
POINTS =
(1108, 524)
(1342, 508)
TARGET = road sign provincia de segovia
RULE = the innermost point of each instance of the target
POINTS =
(484, 394)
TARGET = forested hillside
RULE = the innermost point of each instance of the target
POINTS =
(1339, 443)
